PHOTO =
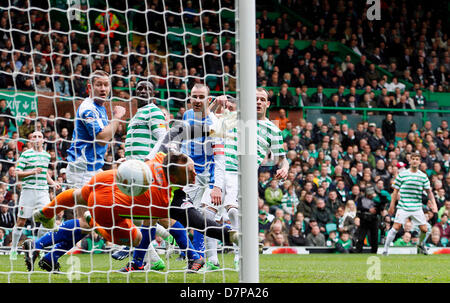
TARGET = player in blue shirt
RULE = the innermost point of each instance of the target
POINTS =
(209, 157)
(92, 131)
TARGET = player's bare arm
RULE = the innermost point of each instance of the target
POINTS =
(108, 132)
(23, 174)
(431, 201)
(394, 199)
(53, 183)
(282, 172)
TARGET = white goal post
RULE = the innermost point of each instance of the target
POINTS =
(246, 62)
(50, 49)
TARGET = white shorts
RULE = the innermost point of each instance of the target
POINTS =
(196, 192)
(417, 216)
(229, 193)
(77, 178)
(31, 199)
(231, 189)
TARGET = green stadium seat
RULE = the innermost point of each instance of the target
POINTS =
(330, 227)
(377, 119)
(433, 117)
(403, 123)
(353, 120)
(312, 115)
(445, 114)
(432, 105)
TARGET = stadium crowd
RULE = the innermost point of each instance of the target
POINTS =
(331, 164)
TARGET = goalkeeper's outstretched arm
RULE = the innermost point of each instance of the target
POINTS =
(177, 133)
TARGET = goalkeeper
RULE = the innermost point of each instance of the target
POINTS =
(113, 211)
(146, 127)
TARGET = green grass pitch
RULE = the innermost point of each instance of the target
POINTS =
(314, 268)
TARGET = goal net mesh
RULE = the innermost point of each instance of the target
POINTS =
(48, 50)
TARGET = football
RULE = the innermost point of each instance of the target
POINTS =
(133, 177)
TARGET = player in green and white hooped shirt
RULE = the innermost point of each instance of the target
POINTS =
(147, 126)
(31, 169)
(144, 130)
(269, 139)
(408, 188)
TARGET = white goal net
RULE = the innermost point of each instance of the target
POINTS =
(49, 51)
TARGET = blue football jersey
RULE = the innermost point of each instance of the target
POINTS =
(84, 152)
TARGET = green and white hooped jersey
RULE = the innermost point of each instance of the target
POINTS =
(231, 151)
(410, 187)
(143, 131)
(269, 139)
(29, 160)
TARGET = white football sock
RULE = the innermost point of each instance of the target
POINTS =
(211, 243)
(389, 238)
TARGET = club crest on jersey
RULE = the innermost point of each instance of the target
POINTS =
(89, 119)
(262, 132)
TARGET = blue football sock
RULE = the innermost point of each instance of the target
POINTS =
(178, 232)
(58, 251)
(199, 243)
(141, 250)
(69, 232)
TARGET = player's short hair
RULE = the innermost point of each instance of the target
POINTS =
(262, 89)
(97, 74)
(149, 83)
(415, 154)
(173, 160)
(200, 86)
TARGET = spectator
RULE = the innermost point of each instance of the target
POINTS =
(307, 205)
(263, 222)
(315, 238)
(42, 87)
(403, 104)
(5, 112)
(65, 122)
(322, 215)
(296, 237)
(27, 127)
(7, 220)
(286, 98)
(434, 241)
(332, 239)
(444, 209)
(282, 119)
(391, 87)
(273, 196)
(405, 240)
(3, 128)
(277, 235)
(419, 99)
(444, 227)
(290, 201)
(319, 97)
(3, 238)
(389, 128)
(62, 87)
(344, 244)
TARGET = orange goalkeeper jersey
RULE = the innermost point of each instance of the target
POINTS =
(102, 192)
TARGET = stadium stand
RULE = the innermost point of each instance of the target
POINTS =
(302, 45)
